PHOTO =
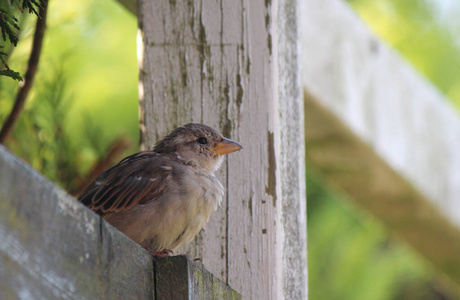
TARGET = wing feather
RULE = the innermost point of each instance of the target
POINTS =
(137, 179)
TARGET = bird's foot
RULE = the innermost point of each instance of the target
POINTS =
(163, 253)
(166, 252)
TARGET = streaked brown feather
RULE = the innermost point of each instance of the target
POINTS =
(137, 179)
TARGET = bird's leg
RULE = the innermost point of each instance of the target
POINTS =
(166, 252)
(163, 253)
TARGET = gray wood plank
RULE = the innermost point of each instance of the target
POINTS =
(55, 247)
(178, 277)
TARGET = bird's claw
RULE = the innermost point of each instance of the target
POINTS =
(163, 253)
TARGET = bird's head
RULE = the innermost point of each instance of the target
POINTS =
(197, 145)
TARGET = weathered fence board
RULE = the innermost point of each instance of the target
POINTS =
(179, 278)
(52, 247)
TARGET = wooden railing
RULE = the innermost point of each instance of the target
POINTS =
(52, 247)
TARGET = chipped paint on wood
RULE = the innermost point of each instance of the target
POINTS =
(270, 189)
(238, 68)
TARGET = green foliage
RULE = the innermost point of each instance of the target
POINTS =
(9, 26)
(13, 74)
(43, 138)
(10, 29)
(351, 257)
(40, 137)
(32, 5)
(85, 94)
(8, 72)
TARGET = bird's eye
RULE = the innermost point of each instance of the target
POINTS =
(202, 140)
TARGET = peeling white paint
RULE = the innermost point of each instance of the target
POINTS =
(221, 64)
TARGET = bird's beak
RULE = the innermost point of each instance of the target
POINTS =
(226, 146)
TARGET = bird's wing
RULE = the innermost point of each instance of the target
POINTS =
(137, 179)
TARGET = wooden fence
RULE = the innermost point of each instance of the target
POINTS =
(52, 247)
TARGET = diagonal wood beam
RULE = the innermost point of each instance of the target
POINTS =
(352, 166)
(380, 132)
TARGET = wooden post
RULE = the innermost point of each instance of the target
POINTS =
(233, 65)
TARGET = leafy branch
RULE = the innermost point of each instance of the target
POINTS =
(29, 76)
(9, 26)
(32, 5)
(8, 72)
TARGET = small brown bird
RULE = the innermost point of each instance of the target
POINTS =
(162, 198)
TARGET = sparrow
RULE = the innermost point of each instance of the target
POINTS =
(162, 198)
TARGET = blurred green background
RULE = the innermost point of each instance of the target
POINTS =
(85, 94)
(85, 98)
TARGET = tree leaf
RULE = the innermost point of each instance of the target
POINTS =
(13, 74)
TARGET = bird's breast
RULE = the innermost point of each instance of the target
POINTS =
(201, 196)
(208, 194)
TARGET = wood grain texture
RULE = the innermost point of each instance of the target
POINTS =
(233, 65)
(178, 277)
(52, 247)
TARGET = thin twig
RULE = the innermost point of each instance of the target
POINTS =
(28, 77)
(120, 145)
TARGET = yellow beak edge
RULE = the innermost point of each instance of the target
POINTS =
(226, 146)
